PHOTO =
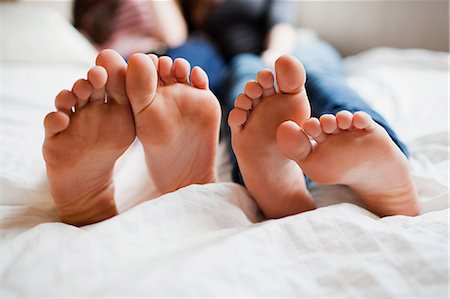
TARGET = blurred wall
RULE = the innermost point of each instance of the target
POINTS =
(356, 25)
(62, 6)
(353, 26)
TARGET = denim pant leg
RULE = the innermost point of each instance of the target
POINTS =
(241, 69)
(327, 88)
(201, 52)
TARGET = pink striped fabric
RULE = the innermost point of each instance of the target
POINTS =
(132, 28)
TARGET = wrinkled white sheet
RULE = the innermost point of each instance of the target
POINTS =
(211, 241)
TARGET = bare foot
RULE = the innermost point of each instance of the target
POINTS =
(353, 150)
(276, 182)
(176, 121)
(81, 147)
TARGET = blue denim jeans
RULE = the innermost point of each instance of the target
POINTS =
(326, 86)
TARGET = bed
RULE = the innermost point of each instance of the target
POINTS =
(210, 241)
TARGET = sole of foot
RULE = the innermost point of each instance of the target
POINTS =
(353, 150)
(92, 127)
(275, 182)
(177, 120)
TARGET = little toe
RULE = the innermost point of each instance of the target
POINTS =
(165, 70)
(290, 73)
(116, 68)
(97, 77)
(55, 122)
(243, 102)
(141, 82)
(82, 89)
(199, 78)
(237, 118)
(328, 123)
(362, 121)
(292, 141)
(266, 80)
(65, 101)
(181, 68)
(253, 90)
(344, 119)
(312, 127)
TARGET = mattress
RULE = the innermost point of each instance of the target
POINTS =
(211, 240)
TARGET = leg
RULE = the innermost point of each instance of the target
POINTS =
(177, 120)
(80, 151)
(326, 86)
(275, 182)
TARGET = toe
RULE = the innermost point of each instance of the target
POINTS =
(312, 127)
(181, 68)
(328, 123)
(141, 82)
(154, 59)
(266, 80)
(97, 77)
(344, 119)
(199, 78)
(237, 118)
(243, 102)
(290, 73)
(116, 68)
(362, 120)
(64, 102)
(55, 122)
(253, 90)
(82, 89)
(293, 142)
(165, 70)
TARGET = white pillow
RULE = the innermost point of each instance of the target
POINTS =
(36, 34)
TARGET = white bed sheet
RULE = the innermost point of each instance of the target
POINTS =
(210, 241)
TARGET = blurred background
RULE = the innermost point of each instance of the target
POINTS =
(354, 26)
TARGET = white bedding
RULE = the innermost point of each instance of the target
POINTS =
(211, 241)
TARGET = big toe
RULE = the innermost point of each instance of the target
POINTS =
(141, 81)
(293, 142)
(116, 68)
(290, 74)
